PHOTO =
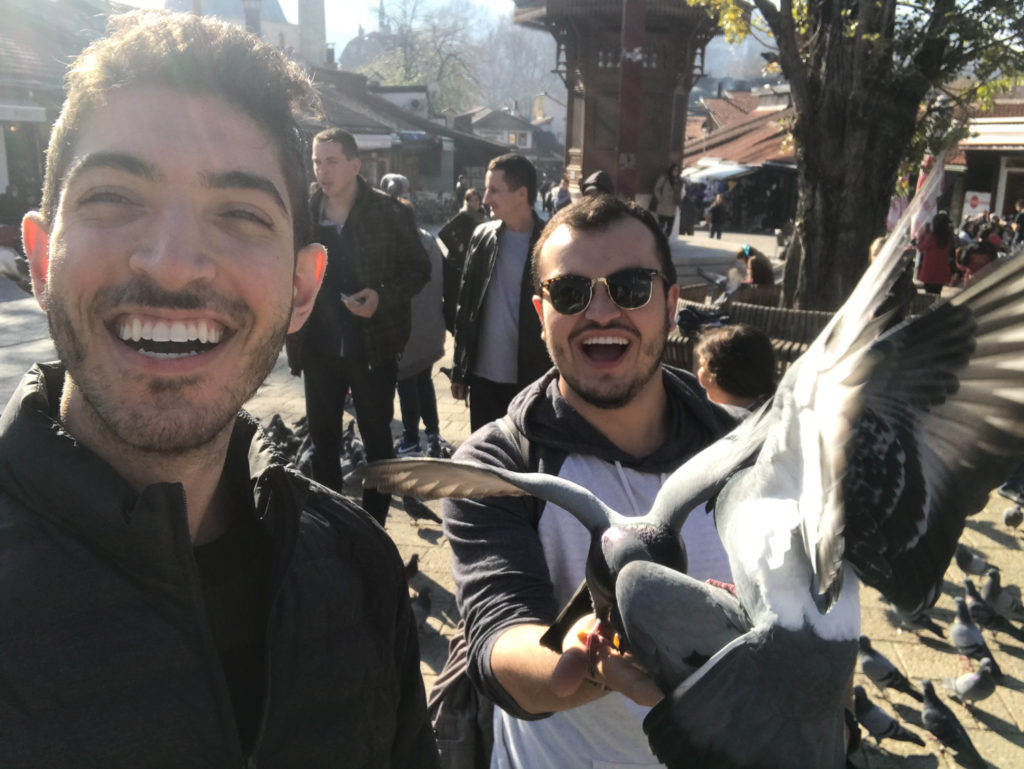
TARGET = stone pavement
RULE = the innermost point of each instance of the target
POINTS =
(997, 723)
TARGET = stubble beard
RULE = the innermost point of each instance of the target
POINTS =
(168, 423)
(612, 396)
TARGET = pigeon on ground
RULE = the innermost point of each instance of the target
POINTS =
(1005, 600)
(970, 563)
(421, 606)
(419, 511)
(918, 622)
(1013, 516)
(938, 719)
(975, 685)
(985, 616)
(880, 724)
(863, 467)
(881, 671)
(967, 637)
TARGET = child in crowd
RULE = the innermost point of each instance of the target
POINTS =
(736, 365)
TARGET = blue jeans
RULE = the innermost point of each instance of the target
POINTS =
(416, 398)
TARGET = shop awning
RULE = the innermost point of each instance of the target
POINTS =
(720, 172)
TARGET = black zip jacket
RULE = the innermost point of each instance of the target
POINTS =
(106, 656)
(384, 252)
(531, 356)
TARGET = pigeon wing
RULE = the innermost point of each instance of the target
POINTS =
(440, 478)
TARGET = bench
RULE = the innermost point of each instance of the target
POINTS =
(791, 331)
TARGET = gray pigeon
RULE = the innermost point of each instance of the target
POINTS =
(938, 719)
(1005, 600)
(880, 724)
(985, 616)
(969, 562)
(863, 467)
(967, 637)
(881, 671)
(421, 607)
(1013, 516)
(975, 685)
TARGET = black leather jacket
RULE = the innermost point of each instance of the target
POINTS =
(531, 355)
(106, 656)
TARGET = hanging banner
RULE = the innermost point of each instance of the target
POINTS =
(977, 203)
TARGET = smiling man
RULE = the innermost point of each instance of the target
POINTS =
(610, 416)
(498, 349)
(173, 594)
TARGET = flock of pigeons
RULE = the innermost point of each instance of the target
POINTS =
(877, 445)
(995, 608)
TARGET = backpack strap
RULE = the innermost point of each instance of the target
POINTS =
(527, 461)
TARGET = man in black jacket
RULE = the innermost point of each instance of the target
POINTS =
(498, 349)
(360, 323)
(172, 593)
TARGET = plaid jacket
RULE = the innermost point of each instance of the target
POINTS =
(386, 255)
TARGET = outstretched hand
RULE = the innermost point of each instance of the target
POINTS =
(612, 669)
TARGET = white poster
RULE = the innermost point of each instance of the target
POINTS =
(977, 203)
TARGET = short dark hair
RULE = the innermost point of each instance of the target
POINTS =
(740, 357)
(339, 136)
(192, 55)
(519, 172)
(472, 192)
(595, 213)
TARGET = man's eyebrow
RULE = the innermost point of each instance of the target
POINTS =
(118, 161)
(246, 181)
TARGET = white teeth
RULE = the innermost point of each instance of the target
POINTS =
(137, 330)
(178, 332)
(607, 340)
(166, 355)
(161, 332)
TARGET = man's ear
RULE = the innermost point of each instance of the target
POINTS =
(310, 266)
(672, 304)
(538, 305)
(37, 249)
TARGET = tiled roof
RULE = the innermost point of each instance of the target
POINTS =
(755, 139)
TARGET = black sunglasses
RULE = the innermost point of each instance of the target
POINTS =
(630, 289)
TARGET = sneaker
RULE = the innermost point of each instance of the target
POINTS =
(438, 447)
(408, 449)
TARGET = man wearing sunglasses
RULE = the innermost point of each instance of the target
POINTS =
(613, 418)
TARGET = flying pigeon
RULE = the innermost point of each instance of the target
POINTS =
(985, 616)
(880, 724)
(967, 637)
(975, 685)
(969, 562)
(938, 719)
(1005, 600)
(863, 467)
(881, 671)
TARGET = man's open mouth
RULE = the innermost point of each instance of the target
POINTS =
(605, 349)
(169, 339)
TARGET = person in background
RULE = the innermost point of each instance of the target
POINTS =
(687, 214)
(174, 593)
(416, 396)
(1017, 224)
(937, 246)
(667, 191)
(498, 349)
(361, 320)
(455, 235)
(716, 217)
(758, 267)
(736, 367)
(598, 183)
(562, 195)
